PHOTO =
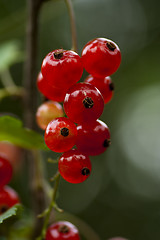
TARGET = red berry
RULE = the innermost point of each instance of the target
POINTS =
(60, 134)
(5, 171)
(48, 111)
(93, 139)
(74, 166)
(101, 57)
(62, 230)
(52, 93)
(83, 103)
(104, 85)
(8, 198)
(62, 68)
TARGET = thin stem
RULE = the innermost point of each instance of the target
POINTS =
(49, 210)
(10, 88)
(11, 91)
(30, 104)
(30, 100)
(7, 79)
(73, 25)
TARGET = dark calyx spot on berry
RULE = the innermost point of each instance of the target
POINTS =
(106, 143)
(111, 46)
(3, 209)
(58, 54)
(85, 171)
(88, 102)
(63, 229)
(64, 132)
(111, 86)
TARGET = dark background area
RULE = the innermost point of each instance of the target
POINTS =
(122, 196)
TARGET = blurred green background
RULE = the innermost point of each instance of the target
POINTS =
(122, 196)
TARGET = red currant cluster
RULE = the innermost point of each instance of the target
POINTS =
(83, 104)
(8, 197)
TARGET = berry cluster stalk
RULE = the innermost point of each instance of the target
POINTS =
(50, 208)
(73, 25)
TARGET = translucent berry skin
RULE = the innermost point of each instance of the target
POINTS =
(50, 92)
(60, 134)
(101, 57)
(74, 166)
(83, 103)
(62, 230)
(104, 85)
(62, 68)
(47, 112)
(5, 171)
(8, 198)
(93, 139)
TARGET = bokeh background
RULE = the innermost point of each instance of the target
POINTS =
(122, 196)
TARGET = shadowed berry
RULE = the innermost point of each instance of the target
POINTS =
(104, 85)
(50, 92)
(93, 139)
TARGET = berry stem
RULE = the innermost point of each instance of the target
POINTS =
(11, 91)
(51, 206)
(10, 88)
(7, 79)
(73, 25)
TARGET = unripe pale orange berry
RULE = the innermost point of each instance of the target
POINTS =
(47, 112)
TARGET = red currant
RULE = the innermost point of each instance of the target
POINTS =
(60, 134)
(48, 111)
(83, 103)
(5, 171)
(52, 93)
(8, 198)
(62, 68)
(74, 166)
(62, 230)
(101, 57)
(104, 85)
(93, 139)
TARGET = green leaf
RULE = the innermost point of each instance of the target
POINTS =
(13, 211)
(12, 130)
(10, 54)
